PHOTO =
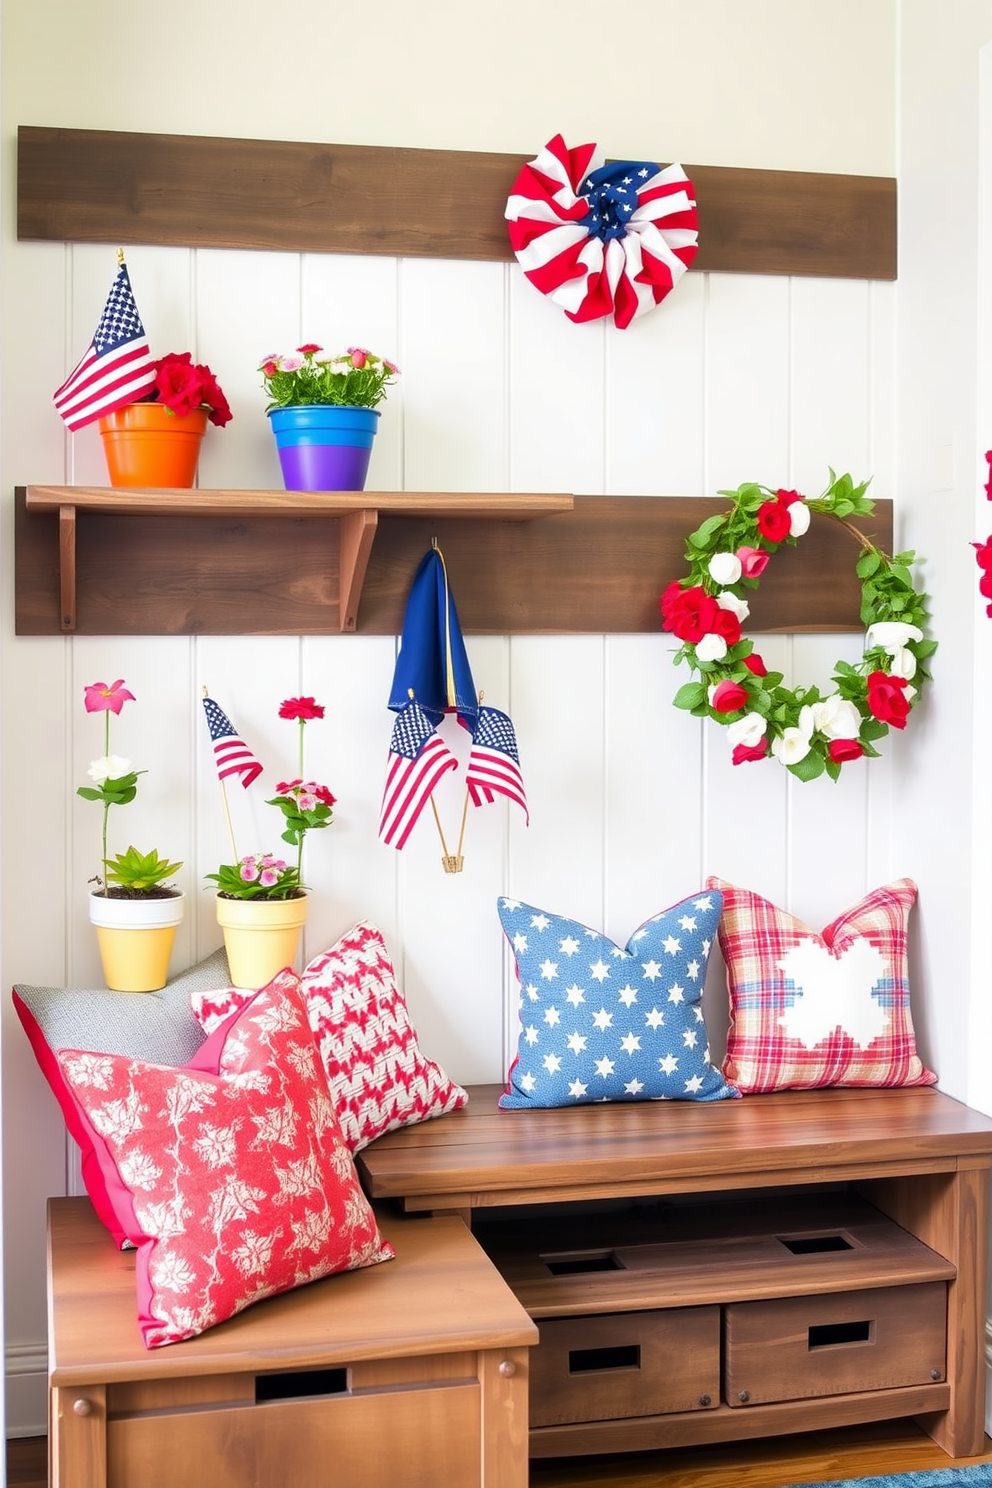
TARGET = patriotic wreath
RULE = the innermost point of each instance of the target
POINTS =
(601, 240)
(809, 732)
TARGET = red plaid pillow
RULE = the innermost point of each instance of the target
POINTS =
(379, 1077)
(809, 1010)
(232, 1182)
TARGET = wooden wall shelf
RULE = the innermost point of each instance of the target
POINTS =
(113, 562)
(106, 186)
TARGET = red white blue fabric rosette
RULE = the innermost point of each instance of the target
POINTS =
(599, 239)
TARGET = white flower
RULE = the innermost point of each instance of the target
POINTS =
(725, 568)
(739, 607)
(110, 767)
(807, 723)
(791, 746)
(711, 648)
(749, 730)
(799, 515)
(903, 663)
(891, 635)
(837, 718)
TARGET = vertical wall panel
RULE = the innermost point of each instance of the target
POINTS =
(747, 381)
(654, 403)
(556, 396)
(831, 370)
(454, 376)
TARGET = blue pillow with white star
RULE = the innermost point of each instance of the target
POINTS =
(598, 1023)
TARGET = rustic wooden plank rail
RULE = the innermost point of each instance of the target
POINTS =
(106, 186)
(102, 562)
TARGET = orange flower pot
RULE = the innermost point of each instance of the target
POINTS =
(147, 445)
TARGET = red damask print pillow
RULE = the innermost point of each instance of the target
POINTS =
(228, 1174)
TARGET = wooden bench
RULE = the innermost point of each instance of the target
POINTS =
(920, 1158)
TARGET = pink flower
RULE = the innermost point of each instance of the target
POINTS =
(310, 348)
(99, 698)
(359, 356)
(291, 363)
(753, 562)
(390, 367)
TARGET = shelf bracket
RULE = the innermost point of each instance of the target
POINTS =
(67, 567)
(356, 533)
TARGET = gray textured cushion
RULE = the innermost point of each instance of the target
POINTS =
(158, 1027)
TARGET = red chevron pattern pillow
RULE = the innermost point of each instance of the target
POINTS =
(379, 1077)
(233, 1182)
(810, 1009)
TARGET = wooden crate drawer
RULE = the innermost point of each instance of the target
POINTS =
(793, 1348)
(600, 1368)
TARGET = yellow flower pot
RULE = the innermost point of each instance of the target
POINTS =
(261, 936)
(135, 938)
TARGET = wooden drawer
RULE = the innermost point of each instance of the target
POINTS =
(793, 1348)
(600, 1368)
(418, 1436)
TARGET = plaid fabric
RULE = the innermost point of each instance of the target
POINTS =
(809, 1010)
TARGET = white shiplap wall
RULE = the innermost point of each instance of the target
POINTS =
(632, 803)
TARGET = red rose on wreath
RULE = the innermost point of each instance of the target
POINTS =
(755, 665)
(688, 612)
(744, 753)
(887, 700)
(843, 750)
(725, 623)
(728, 697)
(774, 522)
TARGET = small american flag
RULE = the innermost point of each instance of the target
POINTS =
(418, 757)
(494, 764)
(231, 754)
(117, 367)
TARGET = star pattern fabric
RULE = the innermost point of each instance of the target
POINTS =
(601, 1023)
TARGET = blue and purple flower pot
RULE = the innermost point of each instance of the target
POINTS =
(324, 447)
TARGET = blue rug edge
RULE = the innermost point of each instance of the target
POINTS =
(977, 1475)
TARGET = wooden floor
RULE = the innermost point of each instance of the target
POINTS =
(824, 1456)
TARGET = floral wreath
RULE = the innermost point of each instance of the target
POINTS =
(808, 732)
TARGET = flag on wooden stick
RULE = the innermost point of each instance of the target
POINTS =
(494, 765)
(231, 754)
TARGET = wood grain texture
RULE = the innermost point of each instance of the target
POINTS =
(598, 568)
(103, 186)
(622, 1147)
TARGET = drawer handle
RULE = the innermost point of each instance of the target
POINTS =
(297, 1384)
(507, 1368)
(823, 1335)
(82, 1406)
(585, 1361)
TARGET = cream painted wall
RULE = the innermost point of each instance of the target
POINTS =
(786, 84)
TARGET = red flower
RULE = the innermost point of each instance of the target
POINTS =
(211, 398)
(755, 664)
(177, 383)
(301, 707)
(99, 698)
(788, 497)
(689, 612)
(725, 623)
(843, 750)
(983, 554)
(887, 700)
(745, 752)
(774, 523)
(728, 697)
(753, 562)
(307, 350)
